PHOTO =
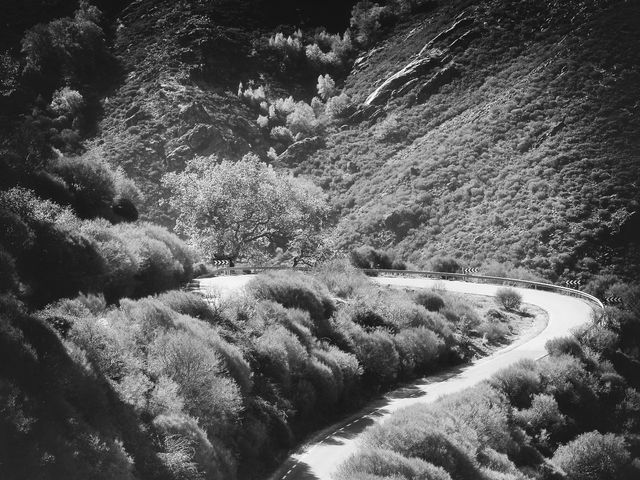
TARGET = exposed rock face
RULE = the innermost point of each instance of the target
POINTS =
(428, 60)
(458, 24)
(413, 70)
(300, 149)
(202, 137)
(439, 79)
(194, 113)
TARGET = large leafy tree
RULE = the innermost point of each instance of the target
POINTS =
(244, 208)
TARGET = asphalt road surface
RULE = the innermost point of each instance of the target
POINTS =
(319, 458)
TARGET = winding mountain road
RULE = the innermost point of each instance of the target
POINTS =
(319, 458)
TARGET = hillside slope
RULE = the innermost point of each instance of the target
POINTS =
(486, 131)
(512, 135)
(178, 98)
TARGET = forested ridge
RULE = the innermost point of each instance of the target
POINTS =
(140, 140)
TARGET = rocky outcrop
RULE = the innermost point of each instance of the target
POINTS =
(201, 137)
(134, 116)
(432, 61)
(439, 79)
(297, 151)
(413, 70)
(458, 24)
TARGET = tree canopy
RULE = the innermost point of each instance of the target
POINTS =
(228, 209)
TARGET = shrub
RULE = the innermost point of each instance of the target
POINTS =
(67, 102)
(594, 456)
(302, 121)
(369, 257)
(294, 290)
(444, 264)
(542, 418)
(339, 106)
(487, 411)
(509, 298)
(564, 346)
(193, 365)
(319, 59)
(91, 182)
(387, 464)
(180, 252)
(188, 303)
(568, 380)
(282, 134)
(498, 462)
(365, 20)
(279, 355)
(162, 260)
(419, 349)
(326, 87)
(253, 96)
(494, 332)
(519, 382)
(379, 358)
(290, 47)
(121, 261)
(460, 313)
(72, 49)
(342, 279)
(390, 130)
(188, 453)
(263, 121)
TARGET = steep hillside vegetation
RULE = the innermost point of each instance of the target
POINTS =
(482, 130)
(508, 133)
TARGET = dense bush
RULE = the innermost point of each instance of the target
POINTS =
(341, 278)
(594, 456)
(378, 463)
(519, 382)
(429, 300)
(294, 290)
(509, 298)
(444, 264)
(564, 346)
(56, 254)
(90, 182)
(369, 257)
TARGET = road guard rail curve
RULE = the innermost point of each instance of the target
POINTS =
(512, 282)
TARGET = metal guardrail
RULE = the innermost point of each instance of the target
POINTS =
(515, 282)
